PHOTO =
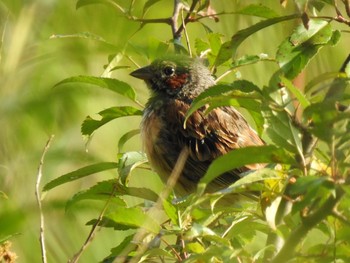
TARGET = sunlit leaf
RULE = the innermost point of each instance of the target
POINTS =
(80, 173)
(255, 176)
(128, 162)
(215, 42)
(201, 46)
(250, 59)
(228, 49)
(171, 211)
(103, 190)
(114, 85)
(258, 10)
(245, 156)
(293, 58)
(300, 34)
(278, 129)
(228, 94)
(90, 125)
(194, 247)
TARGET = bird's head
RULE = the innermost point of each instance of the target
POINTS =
(175, 76)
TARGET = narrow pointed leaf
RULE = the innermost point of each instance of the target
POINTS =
(256, 176)
(80, 173)
(128, 162)
(293, 59)
(103, 191)
(90, 125)
(227, 94)
(258, 10)
(114, 85)
(134, 217)
(228, 49)
(244, 156)
(301, 34)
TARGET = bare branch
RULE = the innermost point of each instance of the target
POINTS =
(38, 199)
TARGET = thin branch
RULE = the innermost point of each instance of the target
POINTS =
(177, 8)
(38, 199)
(93, 230)
(187, 19)
(186, 35)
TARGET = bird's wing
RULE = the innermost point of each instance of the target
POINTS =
(210, 136)
(217, 133)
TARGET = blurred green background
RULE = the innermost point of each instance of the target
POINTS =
(34, 58)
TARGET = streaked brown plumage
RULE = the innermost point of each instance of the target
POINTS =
(174, 82)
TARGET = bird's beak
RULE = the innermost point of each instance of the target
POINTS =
(144, 73)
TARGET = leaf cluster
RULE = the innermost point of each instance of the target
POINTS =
(301, 212)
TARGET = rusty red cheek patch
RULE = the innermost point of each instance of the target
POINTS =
(177, 81)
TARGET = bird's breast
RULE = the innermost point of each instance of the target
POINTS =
(150, 128)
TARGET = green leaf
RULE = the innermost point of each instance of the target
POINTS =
(250, 59)
(253, 177)
(171, 211)
(126, 137)
(325, 116)
(293, 59)
(278, 129)
(128, 162)
(313, 189)
(336, 35)
(228, 49)
(215, 42)
(227, 94)
(296, 92)
(301, 34)
(258, 10)
(103, 191)
(80, 173)
(134, 217)
(114, 85)
(90, 125)
(201, 46)
(245, 156)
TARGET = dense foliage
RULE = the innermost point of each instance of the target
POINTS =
(300, 110)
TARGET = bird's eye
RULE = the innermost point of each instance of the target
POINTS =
(169, 71)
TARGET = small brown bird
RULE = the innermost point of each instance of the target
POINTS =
(175, 81)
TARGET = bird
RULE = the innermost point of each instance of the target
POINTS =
(174, 82)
